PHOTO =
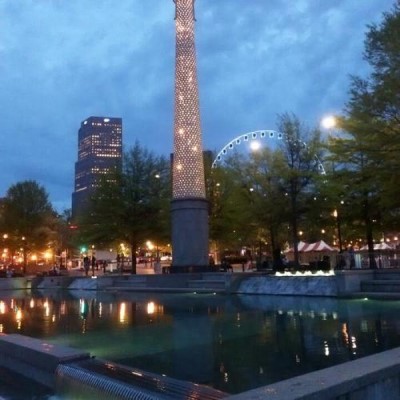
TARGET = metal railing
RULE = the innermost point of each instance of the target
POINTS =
(105, 380)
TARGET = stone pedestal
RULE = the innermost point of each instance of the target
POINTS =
(189, 219)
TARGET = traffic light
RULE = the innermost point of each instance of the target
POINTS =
(83, 249)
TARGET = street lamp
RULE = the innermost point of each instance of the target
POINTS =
(6, 253)
(339, 232)
(24, 254)
(47, 256)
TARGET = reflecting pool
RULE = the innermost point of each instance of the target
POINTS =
(232, 343)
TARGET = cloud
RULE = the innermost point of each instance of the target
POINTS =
(62, 61)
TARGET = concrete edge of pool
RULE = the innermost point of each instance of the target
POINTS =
(341, 284)
(66, 370)
(368, 378)
(373, 284)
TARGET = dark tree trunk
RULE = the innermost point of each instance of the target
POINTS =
(294, 230)
(369, 233)
(133, 254)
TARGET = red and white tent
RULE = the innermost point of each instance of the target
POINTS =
(300, 247)
(318, 246)
(313, 252)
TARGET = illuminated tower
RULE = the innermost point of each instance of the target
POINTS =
(189, 207)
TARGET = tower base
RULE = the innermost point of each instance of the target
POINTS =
(189, 219)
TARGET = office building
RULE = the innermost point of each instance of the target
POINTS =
(99, 154)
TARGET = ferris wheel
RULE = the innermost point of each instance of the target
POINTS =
(253, 140)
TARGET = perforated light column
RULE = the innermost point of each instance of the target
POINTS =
(189, 206)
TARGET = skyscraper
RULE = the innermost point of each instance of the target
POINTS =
(189, 208)
(99, 153)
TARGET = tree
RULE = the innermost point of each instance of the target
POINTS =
(133, 206)
(359, 186)
(259, 195)
(65, 235)
(265, 199)
(28, 217)
(298, 170)
(375, 104)
(223, 212)
(372, 114)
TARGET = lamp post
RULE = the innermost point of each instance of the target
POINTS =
(24, 254)
(338, 226)
(6, 250)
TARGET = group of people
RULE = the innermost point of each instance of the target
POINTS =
(346, 259)
(90, 262)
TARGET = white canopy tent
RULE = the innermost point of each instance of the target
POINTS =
(304, 247)
(379, 246)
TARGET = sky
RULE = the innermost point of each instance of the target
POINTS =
(62, 61)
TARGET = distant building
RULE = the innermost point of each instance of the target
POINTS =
(99, 153)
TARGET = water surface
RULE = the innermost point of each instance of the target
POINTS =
(232, 343)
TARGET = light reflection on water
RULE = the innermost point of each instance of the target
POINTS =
(233, 343)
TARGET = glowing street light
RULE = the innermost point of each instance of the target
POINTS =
(339, 231)
(151, 308)
(47, 256)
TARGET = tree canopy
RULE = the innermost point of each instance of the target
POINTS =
(367, 152)
(131, 207)
(27, 217)
(256, 198)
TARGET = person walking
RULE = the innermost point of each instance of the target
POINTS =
(104, 266)
(86, 265)
(93, 264)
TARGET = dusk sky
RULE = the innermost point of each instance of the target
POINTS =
(63, 61)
